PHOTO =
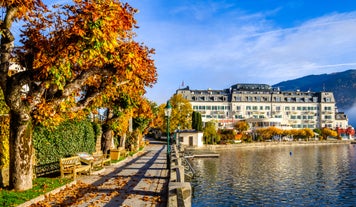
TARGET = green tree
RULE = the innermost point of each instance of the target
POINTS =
(211, 135)
(197, 122)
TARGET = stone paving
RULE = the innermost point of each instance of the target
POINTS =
(140, 180)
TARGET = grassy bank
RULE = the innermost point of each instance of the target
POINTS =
(40, 186)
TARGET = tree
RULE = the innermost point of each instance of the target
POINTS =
(241, 126)
(181, 114)
(211, 135)
(77, 58)
(197, 123)
(268, 133)
(308, 133)
(325, 132)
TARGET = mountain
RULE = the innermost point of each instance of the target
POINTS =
(342, 84)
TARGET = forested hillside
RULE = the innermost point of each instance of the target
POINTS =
(342, 84)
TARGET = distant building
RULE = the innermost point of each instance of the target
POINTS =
(190, 138)
(263, 106)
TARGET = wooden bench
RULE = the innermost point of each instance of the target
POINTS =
(123, 152)
(72, 166)
(102, 158)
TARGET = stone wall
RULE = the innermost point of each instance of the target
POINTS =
(179, 191)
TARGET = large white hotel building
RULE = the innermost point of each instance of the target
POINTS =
(262, 106)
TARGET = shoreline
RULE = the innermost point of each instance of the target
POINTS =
(267, 144)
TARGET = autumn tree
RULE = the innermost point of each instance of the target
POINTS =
(77, 58)
(308, 133)
(210, 134)
(158, 120)
(241, 126)
(268, 133)
(181, 114)
(326, 132)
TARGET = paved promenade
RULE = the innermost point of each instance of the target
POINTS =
(140, 180)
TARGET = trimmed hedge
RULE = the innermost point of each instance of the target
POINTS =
(66, 140)
(4, 141)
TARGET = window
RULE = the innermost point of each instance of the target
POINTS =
(248, 107)
(201, 107)
(238, 108)
(287, 108)
(267, 108)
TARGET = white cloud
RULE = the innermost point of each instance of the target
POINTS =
(249, 51)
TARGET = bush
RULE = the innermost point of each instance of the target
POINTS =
(66, 140)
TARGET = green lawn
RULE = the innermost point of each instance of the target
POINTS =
(40, 187)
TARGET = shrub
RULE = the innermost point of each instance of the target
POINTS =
(66, 140)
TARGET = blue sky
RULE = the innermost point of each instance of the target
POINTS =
(218, 43)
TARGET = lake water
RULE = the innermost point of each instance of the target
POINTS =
(319, 175)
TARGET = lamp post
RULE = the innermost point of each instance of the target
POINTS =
(167, 113)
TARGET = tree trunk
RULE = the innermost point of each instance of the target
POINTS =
(98, 141)
(107, 140)
(21, 152)
(122, 140)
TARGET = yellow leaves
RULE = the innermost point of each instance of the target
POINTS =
(94, 81)
(47, 115)
(83, 36)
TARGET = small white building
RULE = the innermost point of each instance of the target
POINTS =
(191, 138)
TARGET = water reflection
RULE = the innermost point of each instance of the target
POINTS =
(292, 176)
